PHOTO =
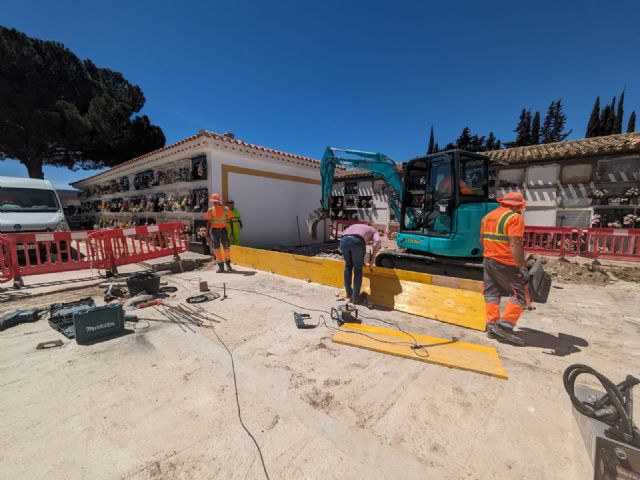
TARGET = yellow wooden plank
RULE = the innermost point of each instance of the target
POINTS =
(410, 292)
(462, 355)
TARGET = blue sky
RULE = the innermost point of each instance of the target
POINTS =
(301, 75)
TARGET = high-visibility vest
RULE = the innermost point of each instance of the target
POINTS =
(494, 236)
(218, 216)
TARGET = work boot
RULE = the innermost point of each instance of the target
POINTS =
(220, 267)
(229, 269)
(490, 333)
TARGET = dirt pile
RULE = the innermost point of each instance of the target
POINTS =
(580, 274)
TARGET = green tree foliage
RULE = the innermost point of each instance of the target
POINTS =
(535, 129)
(593, 127)
(617, 124)
(474, 143)
(631, 126)
(605, 120)
(432, 142)
(492, 143)
(59, 110)
(523, 130)
(554, 124)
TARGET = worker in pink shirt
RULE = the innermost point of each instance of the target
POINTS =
(353, 246)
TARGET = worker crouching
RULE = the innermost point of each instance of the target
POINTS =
(505, 272)
(219, 216)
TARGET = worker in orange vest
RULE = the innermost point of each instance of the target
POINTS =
(505, 272)
(219, 217)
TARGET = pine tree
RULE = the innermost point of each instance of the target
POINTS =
(436, 148)
(535, 129)
(593, 127)
(617, 127)
(523, 130)
(631, 126)
(431, 142)
(498, 145)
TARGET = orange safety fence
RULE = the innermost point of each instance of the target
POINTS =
(23, 254)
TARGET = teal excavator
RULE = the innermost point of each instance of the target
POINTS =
(438, 201)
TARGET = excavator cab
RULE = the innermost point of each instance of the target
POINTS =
(445, 195)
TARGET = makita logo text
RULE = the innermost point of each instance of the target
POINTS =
(100, 327)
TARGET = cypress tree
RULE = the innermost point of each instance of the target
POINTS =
(605, 120)
(612, 117)
(631, 126)
(560, 120)
(593, 127)
(431, 142)
(490, 144)
(535, 129)
(547, 126)
(617, 125)
(523, 130)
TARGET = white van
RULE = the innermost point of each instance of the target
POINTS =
(30, 205)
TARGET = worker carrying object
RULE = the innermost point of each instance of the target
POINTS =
(505, 272)
(235, 224)
(219, 217)
(353, 246)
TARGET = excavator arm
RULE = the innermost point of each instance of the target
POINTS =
(380, 166)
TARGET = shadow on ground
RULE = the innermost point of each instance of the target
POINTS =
(560, 346)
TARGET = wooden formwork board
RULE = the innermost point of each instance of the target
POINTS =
(412, 292)
(440, 351)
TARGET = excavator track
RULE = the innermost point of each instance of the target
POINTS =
(416, 262)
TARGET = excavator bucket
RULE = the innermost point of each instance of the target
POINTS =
(313, 219)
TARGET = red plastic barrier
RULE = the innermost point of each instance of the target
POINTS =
(6, 273)
(613, 243)
(555, 241)
(38, 253)
(137, 244)
(606, 243)
(23, 254)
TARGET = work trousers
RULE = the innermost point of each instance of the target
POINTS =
(502, 280)
(353, 250)
(219, 237)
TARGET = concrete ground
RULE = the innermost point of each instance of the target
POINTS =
(159, 402)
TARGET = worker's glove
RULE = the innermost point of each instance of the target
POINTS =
(525, 274)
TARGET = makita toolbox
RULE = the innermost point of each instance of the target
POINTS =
(61, 315)
(98, 322)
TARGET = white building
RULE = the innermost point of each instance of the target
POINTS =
(273, 190)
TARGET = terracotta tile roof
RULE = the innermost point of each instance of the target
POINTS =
(609, 145)
(289, 157)
(351, 173)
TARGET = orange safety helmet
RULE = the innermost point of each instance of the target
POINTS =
(214, 198)
(513, 199)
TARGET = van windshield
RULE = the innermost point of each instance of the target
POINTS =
(28, 200)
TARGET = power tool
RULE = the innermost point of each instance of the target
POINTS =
(606, 423)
